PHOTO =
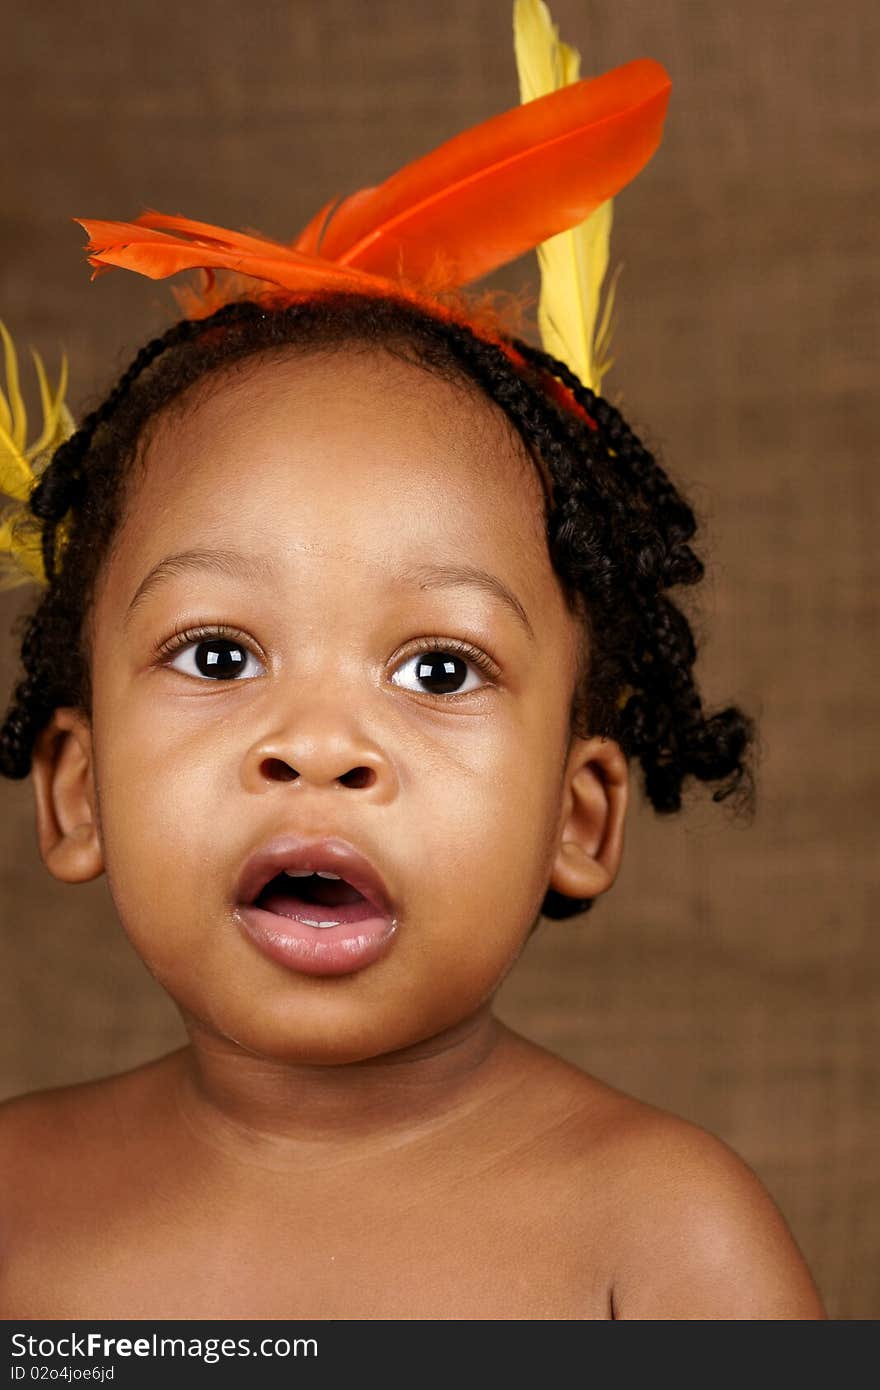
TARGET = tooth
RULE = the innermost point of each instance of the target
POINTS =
(309, 923)
(325, 873)
(298, 873)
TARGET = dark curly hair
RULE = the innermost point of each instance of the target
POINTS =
(618, 533)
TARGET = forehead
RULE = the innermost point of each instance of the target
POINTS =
(354, 457)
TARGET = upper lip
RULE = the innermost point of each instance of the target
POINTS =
(294, 852)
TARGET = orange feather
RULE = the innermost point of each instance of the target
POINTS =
(479, 200)
(501, 187)
(203, 231)
(157, 254)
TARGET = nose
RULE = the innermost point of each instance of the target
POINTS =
(320, 746)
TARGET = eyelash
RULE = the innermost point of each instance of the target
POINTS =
(178, 640)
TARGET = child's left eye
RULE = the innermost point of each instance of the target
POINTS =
(442, 669)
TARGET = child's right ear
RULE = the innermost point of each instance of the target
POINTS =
(64, 790)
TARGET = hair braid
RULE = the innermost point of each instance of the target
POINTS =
(674, 519)
(664, 725)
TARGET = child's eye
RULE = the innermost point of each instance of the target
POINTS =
(441, 668)
(215, 653)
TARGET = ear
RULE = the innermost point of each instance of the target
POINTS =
(64, 790)
(589, 841)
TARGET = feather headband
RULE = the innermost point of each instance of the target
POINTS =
(539, 175)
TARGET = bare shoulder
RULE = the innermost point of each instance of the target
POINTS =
(685, 1228)
(32, 1125)
(696, 1234)
(51, 1138)
(40, 1143)
(25, 1117)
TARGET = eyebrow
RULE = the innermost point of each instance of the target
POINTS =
(236, 565)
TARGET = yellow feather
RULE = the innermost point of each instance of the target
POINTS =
(16, 478)
(21, 558)
(58, 423)
(16, 404)
(50, 405)
(574, 263)
(5, 415)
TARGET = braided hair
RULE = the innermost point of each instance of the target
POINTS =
(618, 533)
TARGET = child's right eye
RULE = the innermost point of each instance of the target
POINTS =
(211, 653)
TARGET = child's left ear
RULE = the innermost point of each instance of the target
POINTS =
(589, 840)
(64, 792)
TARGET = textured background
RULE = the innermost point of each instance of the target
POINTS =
(730, 975)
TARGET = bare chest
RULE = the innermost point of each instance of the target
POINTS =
(388, 1255)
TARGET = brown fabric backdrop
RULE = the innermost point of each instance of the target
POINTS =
(729, 976)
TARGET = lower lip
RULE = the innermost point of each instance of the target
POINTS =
(340, 950)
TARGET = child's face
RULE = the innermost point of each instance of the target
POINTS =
(328, 479)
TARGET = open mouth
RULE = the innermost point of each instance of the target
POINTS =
(314, 898)
(297, 906)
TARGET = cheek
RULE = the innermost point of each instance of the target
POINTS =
(485, 868)
(487, 804)
(166, 836)
(156, 798)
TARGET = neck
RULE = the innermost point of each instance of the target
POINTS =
(252, 1107)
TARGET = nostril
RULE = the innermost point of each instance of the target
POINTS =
(279, 770)
(358, 777)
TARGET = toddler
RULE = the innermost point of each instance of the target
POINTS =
(436, 564)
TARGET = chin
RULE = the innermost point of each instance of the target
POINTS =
(322, 1038)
